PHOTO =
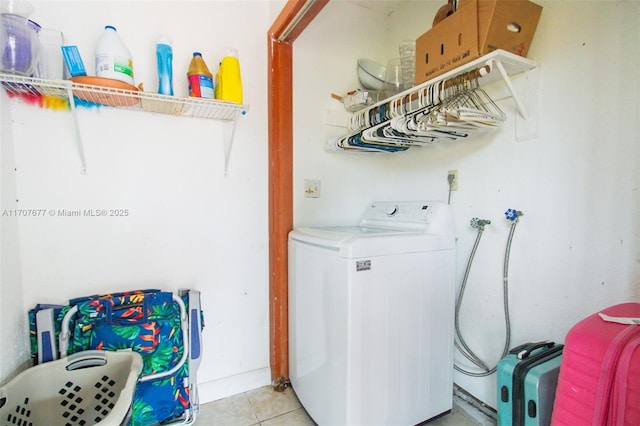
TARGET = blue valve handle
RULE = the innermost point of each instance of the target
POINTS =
(512, 214)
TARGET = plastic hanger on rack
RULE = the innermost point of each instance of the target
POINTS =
(445, 110)
(465, 107)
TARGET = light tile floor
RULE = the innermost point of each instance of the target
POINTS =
(266, 407)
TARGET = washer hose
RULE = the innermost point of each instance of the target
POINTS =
(460, 343)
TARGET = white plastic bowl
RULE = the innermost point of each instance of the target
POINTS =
(371, 74)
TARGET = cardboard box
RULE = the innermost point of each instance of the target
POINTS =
(476, 28)
(506, 24)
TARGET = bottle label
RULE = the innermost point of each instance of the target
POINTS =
(102, 63)
(107, 63)
(200, 86)
(124, 68)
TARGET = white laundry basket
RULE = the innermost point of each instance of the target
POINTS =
(82, 389)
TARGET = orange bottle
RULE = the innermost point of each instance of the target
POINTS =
(200, 78)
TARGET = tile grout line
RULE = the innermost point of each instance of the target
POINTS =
(253, 409)
(272, 417)
(260, 420)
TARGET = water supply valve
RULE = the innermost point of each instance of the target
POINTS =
(513, 215)
(479, 223)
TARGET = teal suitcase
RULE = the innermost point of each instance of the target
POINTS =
(527, 380)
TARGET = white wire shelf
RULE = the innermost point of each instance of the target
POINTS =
(506, 64)
(80, 94)
(489, 68)
(120, 98)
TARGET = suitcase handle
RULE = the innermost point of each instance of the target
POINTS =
(523, 351)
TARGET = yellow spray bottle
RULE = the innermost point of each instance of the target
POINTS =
(228, 85)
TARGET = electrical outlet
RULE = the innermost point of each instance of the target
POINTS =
(311, 188)
(454, 182)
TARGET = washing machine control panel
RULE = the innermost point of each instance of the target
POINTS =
(425, 216)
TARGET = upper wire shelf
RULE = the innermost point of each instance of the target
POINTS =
(409, 118)
(508, 62)
(120, 98)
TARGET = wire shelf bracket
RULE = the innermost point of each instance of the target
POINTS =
(76, 126)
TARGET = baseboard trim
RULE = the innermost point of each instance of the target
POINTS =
(233, 385)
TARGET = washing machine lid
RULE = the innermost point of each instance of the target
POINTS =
(334, 237)
(353, 242)
(387, 227)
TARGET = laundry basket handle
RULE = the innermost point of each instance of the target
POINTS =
(86, 359)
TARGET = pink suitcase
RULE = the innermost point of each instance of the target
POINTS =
(599, 382)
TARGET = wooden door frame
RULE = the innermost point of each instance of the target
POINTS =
(290, 23)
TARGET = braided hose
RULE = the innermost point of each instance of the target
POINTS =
(460, 343)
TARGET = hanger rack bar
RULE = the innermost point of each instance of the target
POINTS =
(467, 76)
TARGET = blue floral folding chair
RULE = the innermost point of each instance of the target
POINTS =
(164, 328)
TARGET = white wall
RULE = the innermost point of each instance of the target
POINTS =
(188, 224)
(575, 251)
(14, 353)
(577, 248)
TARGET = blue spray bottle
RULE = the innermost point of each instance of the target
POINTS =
(164, 56)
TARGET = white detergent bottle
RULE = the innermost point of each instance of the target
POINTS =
(113, 59)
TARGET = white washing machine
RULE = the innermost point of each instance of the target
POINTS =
(371, 316)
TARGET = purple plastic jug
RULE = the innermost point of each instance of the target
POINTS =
(19, 43)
